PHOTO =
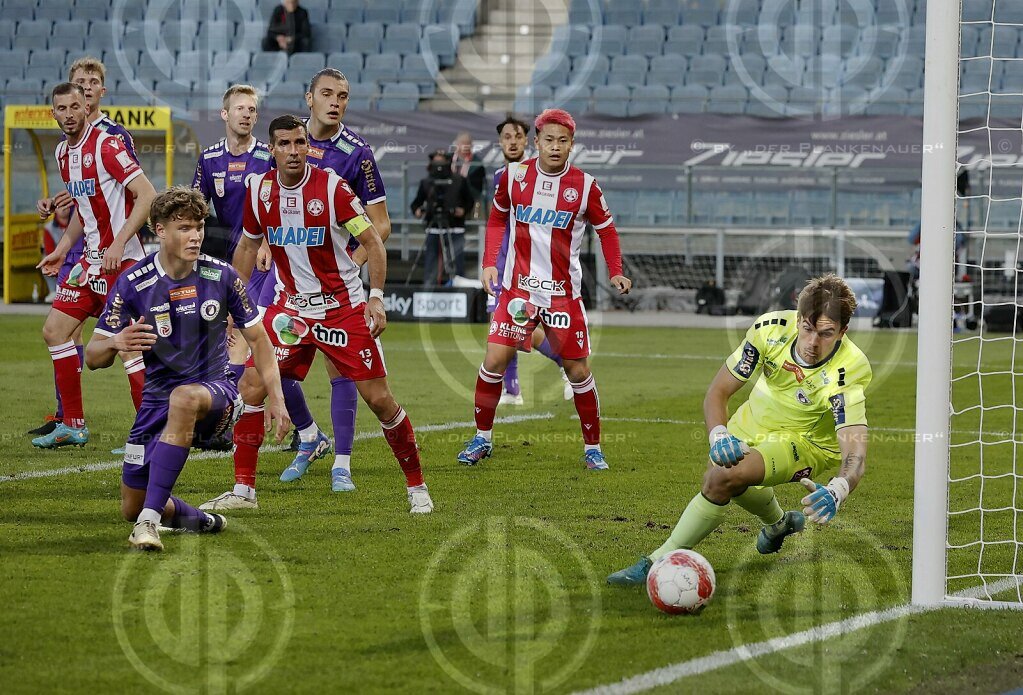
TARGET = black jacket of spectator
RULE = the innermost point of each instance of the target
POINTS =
(451, 196)
(294, 24)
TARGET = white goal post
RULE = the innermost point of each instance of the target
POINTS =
(967, 547)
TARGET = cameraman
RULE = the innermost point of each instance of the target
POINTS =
(441, 202)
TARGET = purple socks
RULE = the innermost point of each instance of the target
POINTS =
(344, 400)
(547, 351)
(164, 468)
(237, 370)
(511, 377)
(294, 401)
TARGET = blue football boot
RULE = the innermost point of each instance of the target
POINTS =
(62, 435)
(594, 460)
(307, 453)
(771, 537)
(475, 451)
(631, 576)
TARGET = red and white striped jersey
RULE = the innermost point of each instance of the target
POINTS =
(308, 228)
(549, 216)
(97, 172)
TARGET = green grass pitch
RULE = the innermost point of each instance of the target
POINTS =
(502, 588)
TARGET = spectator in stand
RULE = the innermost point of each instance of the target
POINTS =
(289, 29)
(470, 167)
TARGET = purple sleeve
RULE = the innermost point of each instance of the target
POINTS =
(241, 307)
(502, 255)
(118, 311)
(129, 142)
(368, 185)
(199, 179)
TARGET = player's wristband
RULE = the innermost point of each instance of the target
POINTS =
(376, 293)
(717, 433)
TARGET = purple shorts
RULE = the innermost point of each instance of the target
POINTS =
(268, 292)
(257, 281)
(70, 260)
(152, 417)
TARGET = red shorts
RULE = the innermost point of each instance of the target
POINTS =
(82, 295)
(564, 323)
(342, 336)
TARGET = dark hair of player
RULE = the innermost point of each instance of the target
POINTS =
(178, 203)
(512, 121)
(327, 72)
(88, 64)
(829, 297)
(285, 122)
(65, 88)
(555, 117)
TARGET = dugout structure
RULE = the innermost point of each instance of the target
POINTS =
(30, 173)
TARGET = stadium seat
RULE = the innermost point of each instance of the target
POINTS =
(590, 70)
(178, 35)
(457, 13)
(530, 98)
(91, 10)
(581, 13)
(706, 70)
(745, 69)
(440, 42)
(398, 96)
(1005, 43)
(663, 12)
(69, 35)
(215, 35)
(23, 90)
(306, 64)
(52, 60)
(728, 99)
(1011, 78)
(863, 71)
(20, 9)
(1008, 13)
(551, 70)
(402, 39)
(414, 69)
(418, 12)
(703, 16)
(888, 102)
(651, 99)
(192, 65)
(571, 40)
(628, 70)
(768, 102)
(572, 98)
(609, 39)
(267, 67)
(611, 100)
(686, 40)
(232, 66)
(348, 62)
(667, 70)
(624, 13)
(622, 205)
(384, 11)
(977, 10)
(690, 98)
(383, 67)
(717, 40)
(53, 12)
(361, 95)
(647, 40)
(366, 39)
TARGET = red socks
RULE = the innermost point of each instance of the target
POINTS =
(67, 373)
(248, 436)
(398, 433)
(136, 370)
(588, 406)
(488, 394)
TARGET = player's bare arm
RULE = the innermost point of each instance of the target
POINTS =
(245, 255)
(266, 365)
(102, 349)
(377, 213)
(823, 501)
(263, 257)
(376, 317)
(51, 263)
(142, 189)
(852, 441)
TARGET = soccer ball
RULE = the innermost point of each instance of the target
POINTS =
(680, 582)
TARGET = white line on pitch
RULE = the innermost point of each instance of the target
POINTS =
(199, 455)
(746, 652)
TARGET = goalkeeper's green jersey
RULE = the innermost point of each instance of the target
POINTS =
(812, 402)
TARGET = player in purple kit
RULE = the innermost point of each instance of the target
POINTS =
(335, 148)
(90, 74)
(176, 306)
(512, 134)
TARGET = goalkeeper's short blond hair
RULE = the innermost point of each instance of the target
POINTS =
(827, 296)
(245, 89)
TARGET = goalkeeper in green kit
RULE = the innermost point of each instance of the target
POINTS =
(805, 415)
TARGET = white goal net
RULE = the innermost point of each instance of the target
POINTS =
(968, 535)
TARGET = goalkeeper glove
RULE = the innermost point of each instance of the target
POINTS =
(823, 502)
(725, 448)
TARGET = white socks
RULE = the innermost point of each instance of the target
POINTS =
(309, 433)
(488, 434)
(343, 461)
(244, 491)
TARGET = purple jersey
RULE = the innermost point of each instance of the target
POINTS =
(189, 317)
(221, 176)
(348, 156)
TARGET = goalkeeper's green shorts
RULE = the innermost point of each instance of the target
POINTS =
(787, 457)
